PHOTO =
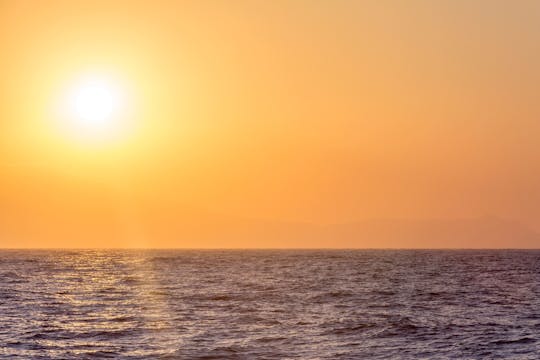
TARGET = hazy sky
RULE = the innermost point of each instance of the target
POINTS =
(316, 111)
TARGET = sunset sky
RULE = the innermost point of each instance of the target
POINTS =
(264, 112)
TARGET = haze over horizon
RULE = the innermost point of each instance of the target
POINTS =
(294, 114)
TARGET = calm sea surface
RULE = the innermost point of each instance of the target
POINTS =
(269, 304)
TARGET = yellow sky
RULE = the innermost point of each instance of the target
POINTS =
(273, 111)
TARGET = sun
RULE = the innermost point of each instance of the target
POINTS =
(95, 103)
(95, 109)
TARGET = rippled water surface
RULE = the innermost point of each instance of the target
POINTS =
(269, 304)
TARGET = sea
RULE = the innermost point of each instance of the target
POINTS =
(269, 304)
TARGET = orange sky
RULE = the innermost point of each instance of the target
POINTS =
(269, 112)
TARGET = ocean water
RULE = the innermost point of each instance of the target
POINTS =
(287, 304)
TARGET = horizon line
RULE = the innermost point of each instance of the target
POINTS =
(254, 248)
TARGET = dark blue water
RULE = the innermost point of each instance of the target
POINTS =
(269, 304)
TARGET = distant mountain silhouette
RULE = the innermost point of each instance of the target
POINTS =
(196, 228)
(485, 232)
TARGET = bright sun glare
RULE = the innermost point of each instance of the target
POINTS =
(95, 109)
(94, 103)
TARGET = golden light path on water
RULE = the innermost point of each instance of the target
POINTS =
(109, 294)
